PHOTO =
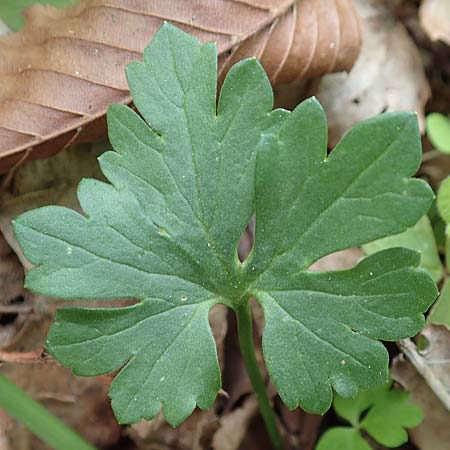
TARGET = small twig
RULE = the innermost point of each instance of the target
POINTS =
(6, 182)
(55, 396)
(16, 308)
(72, 139)
(38, 355)
(410, 350)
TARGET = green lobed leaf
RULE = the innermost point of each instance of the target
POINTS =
(438, 131)
(322, 328)
(185, 180)
(421, 238)
(11, 10)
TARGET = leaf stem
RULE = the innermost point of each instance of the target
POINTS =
(246, 344)
(38, 419)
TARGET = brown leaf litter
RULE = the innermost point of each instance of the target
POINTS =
(388, 75)
(63, 69)
(435, 19)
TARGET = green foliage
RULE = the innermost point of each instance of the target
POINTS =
(438, 131)
(440, 313)
(387, 414)
(185, 180)
(443, 200)
(421, 238)
(11, 10)
(443, 204)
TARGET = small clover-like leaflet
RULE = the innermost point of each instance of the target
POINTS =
(387, 413)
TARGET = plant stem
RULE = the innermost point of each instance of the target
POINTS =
(39, 421)
(246, 344)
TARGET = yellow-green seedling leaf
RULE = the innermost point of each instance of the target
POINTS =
(186, 175)
(387, 413)
(421, 238)
(443, 204)
(351, 409)
(443, 200)
(390, 416)
(438, 131)
(440, 312)
(11, 10)
(342, 438)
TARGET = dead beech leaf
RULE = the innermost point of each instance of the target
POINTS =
(388, 75)
(426, 374)
(435, 19)
(62, 70)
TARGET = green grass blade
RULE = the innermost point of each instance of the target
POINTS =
(39, 421)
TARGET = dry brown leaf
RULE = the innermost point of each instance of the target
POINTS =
(59, 74)
(435, 19)
(300, 429)
(433, 363)
(233, 426)
(6, 421)
(344, 259)
(388, 75)
(426, 374)
(193, 434)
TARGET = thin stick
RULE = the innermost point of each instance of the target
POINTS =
(16, 308)
(410, 350)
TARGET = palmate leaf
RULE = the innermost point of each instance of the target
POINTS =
(185, 179)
